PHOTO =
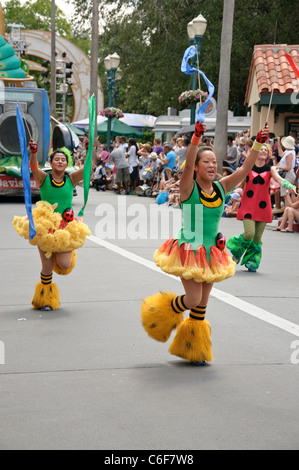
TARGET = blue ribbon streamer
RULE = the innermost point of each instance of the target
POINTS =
(25, 171)
(188, 70)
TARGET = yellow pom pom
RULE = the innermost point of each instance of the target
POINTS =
(193, 341)
(46, 295)
(158, 317)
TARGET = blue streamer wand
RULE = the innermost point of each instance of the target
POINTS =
(187, 69)
(25, 171)
(198, 74)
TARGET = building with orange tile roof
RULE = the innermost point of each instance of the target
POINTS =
(271, 71)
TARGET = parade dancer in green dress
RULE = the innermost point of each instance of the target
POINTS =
(197, 255)
(59, 233)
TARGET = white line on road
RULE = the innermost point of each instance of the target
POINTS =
(229, 299)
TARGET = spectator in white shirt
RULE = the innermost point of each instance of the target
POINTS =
(123, 144)
(181, 152)
(232, 153)
(117, 157)
(286, 166)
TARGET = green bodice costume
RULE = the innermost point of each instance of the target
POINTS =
(60, 193)
(201, 214)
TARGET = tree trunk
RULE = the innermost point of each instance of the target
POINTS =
(220, 146)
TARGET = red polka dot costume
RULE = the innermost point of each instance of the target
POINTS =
(256, 200)
(255, 207)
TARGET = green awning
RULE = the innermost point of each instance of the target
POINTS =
(118, 128)
(75, 129)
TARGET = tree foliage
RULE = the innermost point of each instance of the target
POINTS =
(35, 15)
(150, 36)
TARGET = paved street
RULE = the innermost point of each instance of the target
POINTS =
(88, 377)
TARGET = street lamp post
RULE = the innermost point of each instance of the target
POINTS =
(196, 29)
(111, 63)
(118, 77)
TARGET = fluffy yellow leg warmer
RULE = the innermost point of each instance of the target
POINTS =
(158, 317)
(46, 296)
(193, 341)
(64, 272)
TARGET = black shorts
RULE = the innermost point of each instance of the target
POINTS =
(134, 174)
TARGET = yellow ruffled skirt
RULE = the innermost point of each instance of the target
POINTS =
(53, 234)
(182, 261)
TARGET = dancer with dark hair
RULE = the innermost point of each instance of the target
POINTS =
(59, 234)
(197, 255)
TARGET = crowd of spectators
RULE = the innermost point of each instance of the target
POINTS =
(129, 167)
(284, 155)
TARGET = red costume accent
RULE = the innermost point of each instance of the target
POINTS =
(256, 200)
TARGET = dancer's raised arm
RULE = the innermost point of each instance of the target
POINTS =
(186, 181)
(231, 181)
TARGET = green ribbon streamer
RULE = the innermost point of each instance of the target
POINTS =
(88, 160)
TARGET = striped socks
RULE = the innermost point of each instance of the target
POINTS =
(198, 313)
(178, 305)
(46, 279)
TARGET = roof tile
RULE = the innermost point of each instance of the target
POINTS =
(272, 68)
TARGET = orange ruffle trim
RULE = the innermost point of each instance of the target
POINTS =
(181, 261)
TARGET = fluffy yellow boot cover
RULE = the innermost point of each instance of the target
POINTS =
(46, 296)
(158, 317)
(193, 341)
(65, 272)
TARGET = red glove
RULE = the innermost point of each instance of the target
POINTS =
(198, 133)
(33, 146)
(199, 129)
(263, 135)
